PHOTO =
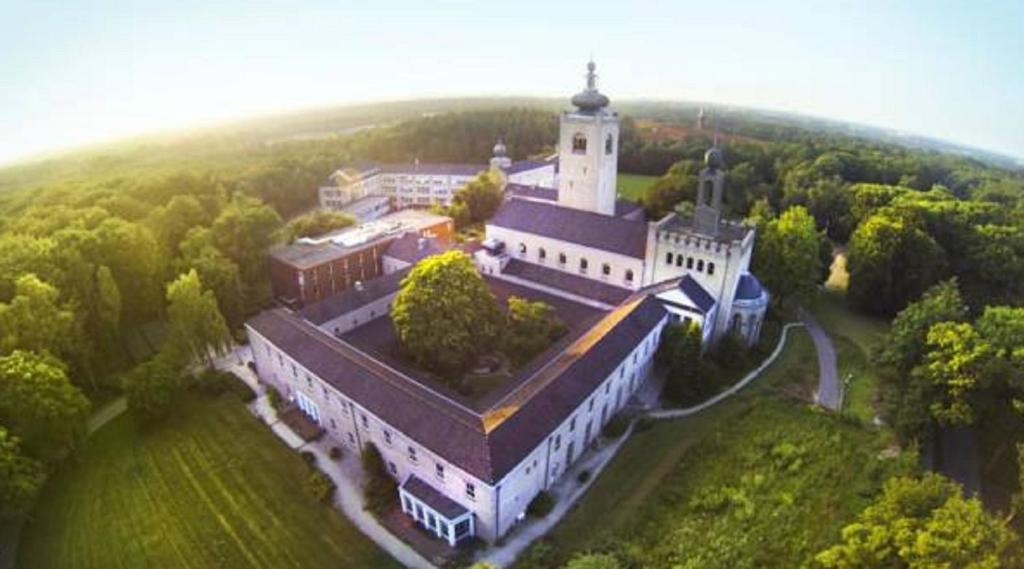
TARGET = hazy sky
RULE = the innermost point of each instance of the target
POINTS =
(76, 71)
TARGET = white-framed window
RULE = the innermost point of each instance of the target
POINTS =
(579, 143)
(609, 144)
(412, 454)
(470, 490)
(439, 470)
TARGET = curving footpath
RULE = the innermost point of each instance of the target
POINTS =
(830, 388)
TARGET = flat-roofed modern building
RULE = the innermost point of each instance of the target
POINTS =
(312, 269)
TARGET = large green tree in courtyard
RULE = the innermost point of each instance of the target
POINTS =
(444, 313)
(788, 256)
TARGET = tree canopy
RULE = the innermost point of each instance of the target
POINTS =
(444, 314)
(315, 223)
(195, 325)
(788, 256)
(922, 523)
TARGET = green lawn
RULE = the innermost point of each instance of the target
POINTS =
(761, 480)
(212, 487)
(633, 186)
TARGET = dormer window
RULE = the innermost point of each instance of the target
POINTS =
(609, 144)
(579, 143)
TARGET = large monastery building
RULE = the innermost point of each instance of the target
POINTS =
(469, 463)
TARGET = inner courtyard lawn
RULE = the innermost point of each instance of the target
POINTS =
(211, 487)
(761, 480)
(633, 186)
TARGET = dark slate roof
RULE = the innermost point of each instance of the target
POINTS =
(575, 284)
(438, 423)
(433, 169)
(614, 234)
(407, 248)
(568, 380)
(490, 445)
(440, 503)
(692, 289)
(532, 192)
(527, 165)
(749, 288)
(351, 299)
(627, 208)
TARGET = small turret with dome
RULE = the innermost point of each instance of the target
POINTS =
(500, 159)
(590, 100)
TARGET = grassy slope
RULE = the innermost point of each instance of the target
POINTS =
(210, 488)
(643, 496)
(633, 186)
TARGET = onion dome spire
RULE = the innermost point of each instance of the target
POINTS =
(590, 99)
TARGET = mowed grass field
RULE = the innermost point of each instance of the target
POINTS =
(633, 186)
(211, 487)
(803, 472)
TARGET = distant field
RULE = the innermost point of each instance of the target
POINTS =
(759, 481)
(211, 488)
(633, 186)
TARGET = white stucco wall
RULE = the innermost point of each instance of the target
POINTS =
(543, 177)
(588, 180)
(596, 258)
(498, 506)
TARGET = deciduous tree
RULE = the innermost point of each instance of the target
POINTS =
(40, 405)
(444, 313)
(21, 478)
(788, 255)
(195, 326)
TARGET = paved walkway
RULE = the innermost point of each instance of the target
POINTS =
(830, 387)
(346, 473)
(739, 385)
(105, 414)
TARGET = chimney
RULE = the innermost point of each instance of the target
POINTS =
(421, 243)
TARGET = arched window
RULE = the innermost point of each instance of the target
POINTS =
(579, 143)
(700, 265)
(583, 265)
(542, 254)
(629, 275)
(689, 262)
(711, 268)
(679, 261)
(668, 258)
(609, 144)
(561, 258)
(522, 248)
(606, 269)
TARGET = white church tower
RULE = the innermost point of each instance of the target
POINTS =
(588, 151)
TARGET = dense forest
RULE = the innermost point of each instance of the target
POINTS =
(96, 245)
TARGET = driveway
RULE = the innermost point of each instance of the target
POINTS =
(830, 388)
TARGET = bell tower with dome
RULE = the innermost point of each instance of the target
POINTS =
(588, 151)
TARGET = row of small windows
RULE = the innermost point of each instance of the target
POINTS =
(347, 406)
(678, 261)
(606, 269)
(579, 144)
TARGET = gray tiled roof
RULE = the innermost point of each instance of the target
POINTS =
(433, 169)
(527, 165)
(692, 289)
(575, 284)
(487, 445)
(407, 248)
(426, 493)
(613, 234)
(351, 299)
(532, 192)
